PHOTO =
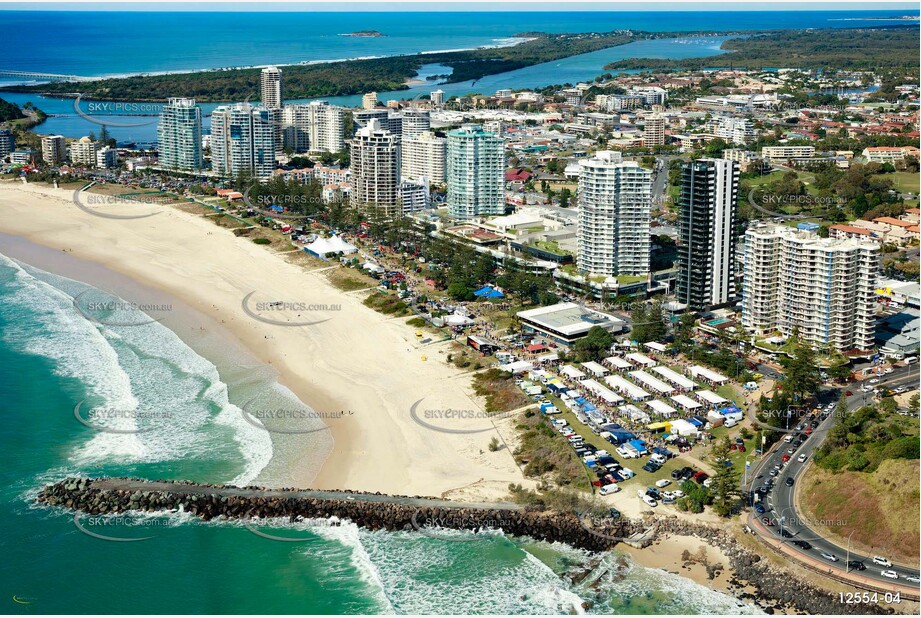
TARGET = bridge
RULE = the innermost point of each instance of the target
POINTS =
(33, 75)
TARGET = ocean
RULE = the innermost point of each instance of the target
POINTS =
(94, 44)
(56, 355)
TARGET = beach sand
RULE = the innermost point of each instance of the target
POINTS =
(358, 360)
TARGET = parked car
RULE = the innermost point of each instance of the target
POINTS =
(700, 476)
(663, 483)
(650, 501)
(609, 489)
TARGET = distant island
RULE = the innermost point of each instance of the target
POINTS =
(368, 33)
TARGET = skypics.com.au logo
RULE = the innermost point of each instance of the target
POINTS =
(106, 113)
(107, 309)
(453, 420)
(296, 420)
(100, 205)
(261, 310)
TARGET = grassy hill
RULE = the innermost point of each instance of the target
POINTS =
(881, 508)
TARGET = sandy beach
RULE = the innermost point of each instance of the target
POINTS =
(354, 359)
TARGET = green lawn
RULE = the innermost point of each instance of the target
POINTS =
(904, 181)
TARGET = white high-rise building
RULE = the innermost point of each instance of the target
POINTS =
(415, 121)
(822, 288)
(706, 233)
(243, 140)
(423, 156)
(438, 98)
(54, 149)
(83, 151)
(270, 87)
(615, 200)
(654, 131)
(106, 157)
(317, 127)
(376, 171)
(735, 130)
(327, 127)
(475, 173)
(295, 128)
(179, 136)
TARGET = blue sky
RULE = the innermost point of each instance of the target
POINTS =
(466, 5)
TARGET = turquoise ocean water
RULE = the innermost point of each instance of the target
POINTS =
(85, 42)
(52, 356)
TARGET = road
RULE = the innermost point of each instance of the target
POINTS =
(780, 501)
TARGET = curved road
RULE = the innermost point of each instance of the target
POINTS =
(780, 501)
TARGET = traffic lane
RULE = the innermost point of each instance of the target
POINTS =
(814, 555)
(783, 501)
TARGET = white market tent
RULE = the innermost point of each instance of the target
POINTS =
(661, 408)
(634, 413)
(326, 246)
(372, 267)
(571, 372)
(630, 389)
(683, 427)
(654, 383)
(707, 374)
(548, 358)
(710, 397)
(517, 367)
(675, 378)
(641, 359)
(595, 369)
(686, 402)
(655, 346)
(618, 363)
(457, 320)
(602, 391)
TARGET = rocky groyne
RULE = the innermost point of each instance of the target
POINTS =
(776, 589)
(101, 497)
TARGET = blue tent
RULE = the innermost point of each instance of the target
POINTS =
(695, 422)
(587, 407)
(489, 292)
(581, 400)
(276, 208)
(639, 445)
(730, 410)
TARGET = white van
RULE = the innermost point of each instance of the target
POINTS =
(911, 359)
(609, 489)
